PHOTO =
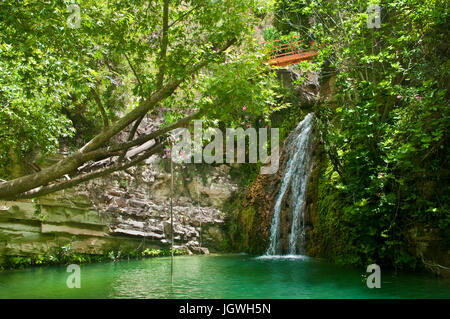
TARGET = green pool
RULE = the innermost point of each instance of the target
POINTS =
(218, 276)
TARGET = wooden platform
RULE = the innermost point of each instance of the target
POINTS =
(293, 59)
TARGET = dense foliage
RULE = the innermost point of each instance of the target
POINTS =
(384, 127)
(86, 83)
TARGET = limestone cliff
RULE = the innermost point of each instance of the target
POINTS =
(123, 211)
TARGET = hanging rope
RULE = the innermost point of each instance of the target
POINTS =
(171, 214)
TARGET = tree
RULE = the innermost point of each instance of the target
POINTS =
(385, 127)
(291, 16)
(172, 53)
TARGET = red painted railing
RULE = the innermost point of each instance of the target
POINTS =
(281, 51)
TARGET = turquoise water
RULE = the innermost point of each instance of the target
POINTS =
(217, 276)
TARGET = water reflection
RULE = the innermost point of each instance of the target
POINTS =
(218, 276)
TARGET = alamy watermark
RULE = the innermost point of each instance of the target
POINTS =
(74, 19)
(185, 149)
(373, 280)
(374, 16)
(74, 279)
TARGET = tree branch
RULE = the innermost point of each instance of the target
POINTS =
(164, 45)
(101, 108)
(183, 15)
(44, 190)
(133, 69)
(162, 65)
(25, 183)
(114, 150)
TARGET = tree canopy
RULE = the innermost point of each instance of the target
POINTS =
(384, 125)
(126, 58)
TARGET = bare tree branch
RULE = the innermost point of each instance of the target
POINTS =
(114, 150)
(44, 190)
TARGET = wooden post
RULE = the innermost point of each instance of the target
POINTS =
(292, 46)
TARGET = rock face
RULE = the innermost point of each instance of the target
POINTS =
(266, 191)
(251, 223)
(138, 203)
(306, 93)
(29, 229)
(429, 246)
(124, 210)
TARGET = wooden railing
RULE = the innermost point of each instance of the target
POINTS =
(295, 45)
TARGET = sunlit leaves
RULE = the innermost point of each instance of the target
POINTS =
(48, 69)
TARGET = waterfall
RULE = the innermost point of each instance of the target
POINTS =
(296, 171)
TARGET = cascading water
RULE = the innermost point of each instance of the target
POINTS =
(298, 148)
